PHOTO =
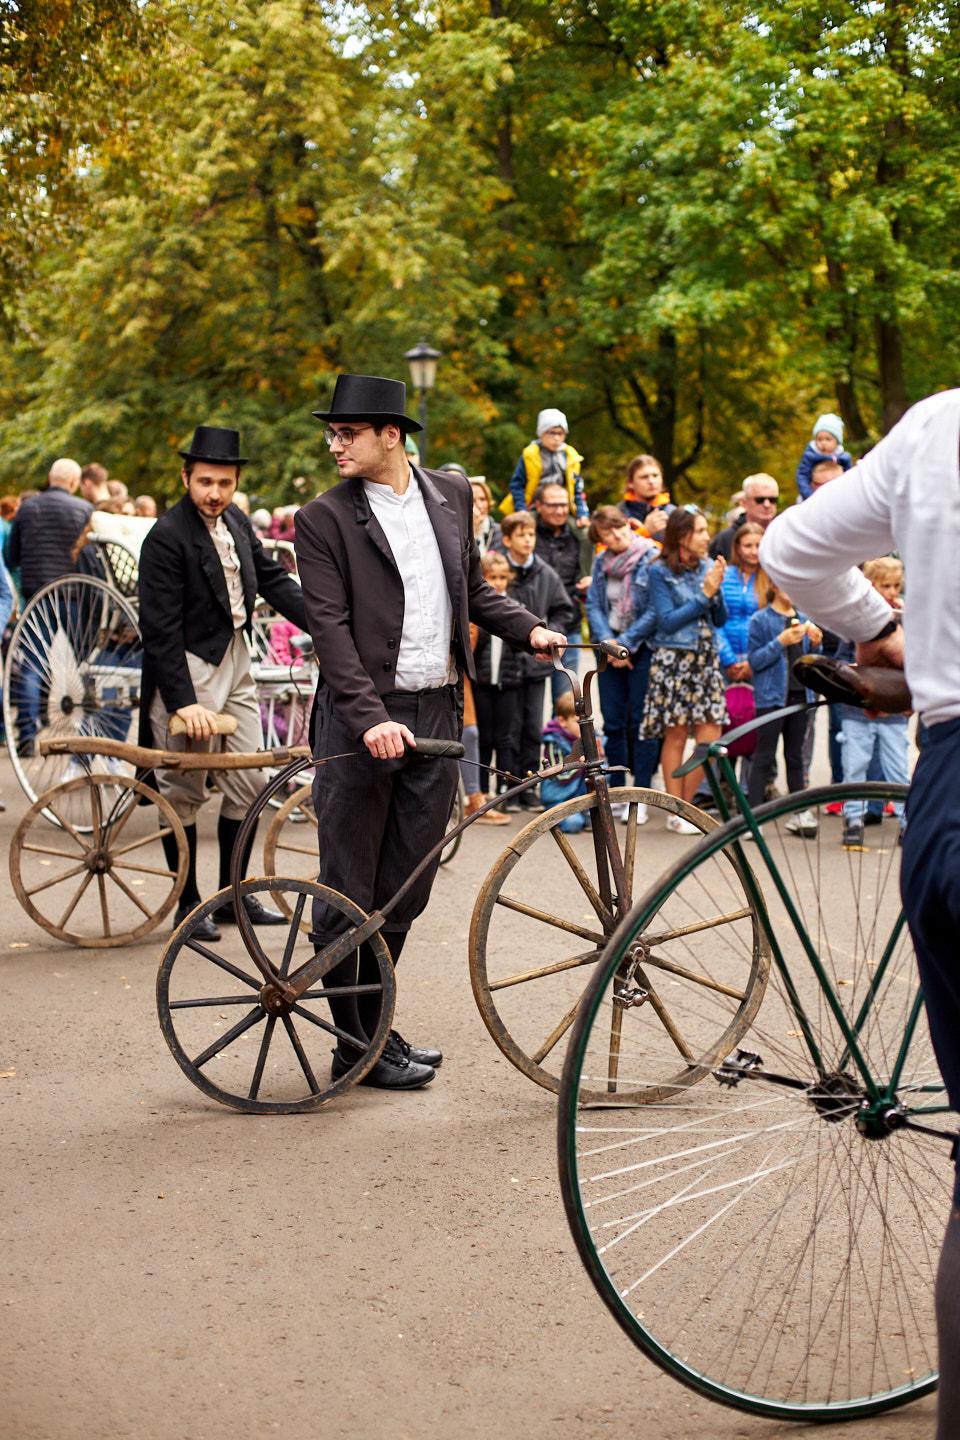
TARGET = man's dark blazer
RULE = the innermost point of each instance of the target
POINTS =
(354, 594)
(184, 603)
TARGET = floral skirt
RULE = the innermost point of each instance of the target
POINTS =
(686, 687)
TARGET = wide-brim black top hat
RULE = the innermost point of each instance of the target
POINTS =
(216, 445)
(372, 398)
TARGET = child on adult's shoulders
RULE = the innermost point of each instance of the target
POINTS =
(827, 443)
(549, 459)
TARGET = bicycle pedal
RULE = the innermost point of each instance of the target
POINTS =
(731, 1072)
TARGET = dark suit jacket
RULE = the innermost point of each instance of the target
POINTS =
(184, 603)
(354, 594)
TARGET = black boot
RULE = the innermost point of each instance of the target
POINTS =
(189, 896)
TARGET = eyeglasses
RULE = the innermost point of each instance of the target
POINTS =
(346, 436)
(765, 499)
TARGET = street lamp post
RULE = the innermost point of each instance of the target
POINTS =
(422, 360)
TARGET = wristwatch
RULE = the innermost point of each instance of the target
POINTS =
(892, 624)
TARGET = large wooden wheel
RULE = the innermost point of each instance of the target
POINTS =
(539, 927)
(105, 881)
(231, 1032)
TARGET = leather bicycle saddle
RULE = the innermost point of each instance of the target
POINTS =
(869, 687)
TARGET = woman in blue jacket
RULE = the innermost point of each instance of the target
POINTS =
(776, 637)
(741, 584)
(618, 609)
(685, 691)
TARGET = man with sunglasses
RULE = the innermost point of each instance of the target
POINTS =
(391, 581)
(761, 496)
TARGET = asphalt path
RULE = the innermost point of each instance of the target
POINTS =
(394, 1266)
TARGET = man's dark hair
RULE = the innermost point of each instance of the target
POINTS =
(97, 473)
(189, 464)
(550, 485)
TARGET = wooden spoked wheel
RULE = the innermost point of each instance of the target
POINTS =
(105, 884)
(290, 847)
(539, 927)
(236, 1040)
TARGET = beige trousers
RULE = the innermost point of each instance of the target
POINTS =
(227, 688)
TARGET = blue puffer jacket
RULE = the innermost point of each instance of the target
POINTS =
(644, 618)
(812, 456)
(768, 658)
(740, 597)
(679, 602)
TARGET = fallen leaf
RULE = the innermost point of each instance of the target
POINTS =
(7, 1074)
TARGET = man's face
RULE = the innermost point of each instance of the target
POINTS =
(211, 487)
(823, 473)
(825, 442)
(94, 490)
(358, 450)
(553, 438)
(760, 502)
(553, 507)
(520, 543)
(646, 482)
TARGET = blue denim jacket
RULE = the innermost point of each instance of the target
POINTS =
(644, 619)
(679, 602)
(768, 659)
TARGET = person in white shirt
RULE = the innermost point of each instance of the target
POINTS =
(905, 495)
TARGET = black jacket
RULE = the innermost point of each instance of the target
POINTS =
(540, 589)
(184, 603)
(42, 535)
(354, 593)
(563, 551)
(511, 662)
(722, 543)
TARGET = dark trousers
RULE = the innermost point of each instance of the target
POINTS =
(497, 728)
(793, 729)
(529, 725)
(622, 693)
(376, 820)
(930, 889)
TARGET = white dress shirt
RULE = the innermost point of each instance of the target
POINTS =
(904, 495)
(226, 549)
(423, 659)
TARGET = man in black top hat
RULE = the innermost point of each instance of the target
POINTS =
(391, 580)
(201, 569)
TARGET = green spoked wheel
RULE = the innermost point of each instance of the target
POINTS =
(769, 1234)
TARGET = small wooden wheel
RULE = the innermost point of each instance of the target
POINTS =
(239, 1042)
(539, 927)
(290, 847)
(108, 883)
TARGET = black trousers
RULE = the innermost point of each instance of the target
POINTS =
(529, 723)
(376, 820)
(794, 731)
(497, 727)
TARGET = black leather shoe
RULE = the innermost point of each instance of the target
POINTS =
(872, 818)
(393, 1071)
(203, 930)
(259, 913)
(419, 1054)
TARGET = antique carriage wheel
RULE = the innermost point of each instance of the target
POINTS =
(234, 1037)
(115, 859)
(73, 671)
(539, 927)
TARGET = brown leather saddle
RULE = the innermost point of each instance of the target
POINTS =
(869, 687)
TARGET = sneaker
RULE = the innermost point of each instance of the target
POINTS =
(889, 810)
(804, 823)
(620, 811)
(643, 815)
(679, 826)
(852, 837)
(873, 817)
(834, 808)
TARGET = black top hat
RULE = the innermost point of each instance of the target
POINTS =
(370, 397)
(220, 447)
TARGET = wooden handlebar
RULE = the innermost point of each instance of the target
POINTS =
(222, 725)
(145, 759)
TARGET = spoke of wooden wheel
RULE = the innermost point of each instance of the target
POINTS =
(146, 870)
(262, 1058)
(310, 850)
(583, 879)
(48, 850)
(613, 1056)
(705, 980)
(666, 1020)
(209, 1000)
(57, 880)
(629, 859)
(116, 828)
(148, 839)
(104, 908)
(74, 834)
(572, 929)
(588, 957)
(292, 936)
(342, 990)
(96, 815)
(327, 1025)
(301, 1055)
(557, 1033)
(130, 894)
(234, 1033)
(75, 901)
(697, 926)
(218, 960)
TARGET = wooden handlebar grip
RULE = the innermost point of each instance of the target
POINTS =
(224, 725)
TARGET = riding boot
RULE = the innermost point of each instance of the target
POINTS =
(227, 832)
(190, 895)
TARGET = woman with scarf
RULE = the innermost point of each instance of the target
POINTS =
(618, 609)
